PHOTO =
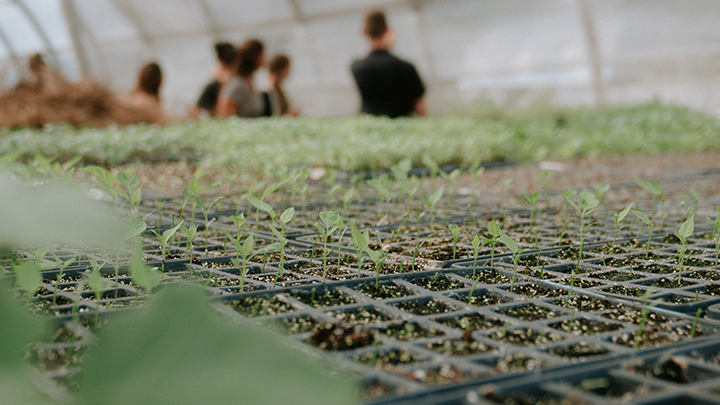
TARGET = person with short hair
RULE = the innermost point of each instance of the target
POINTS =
(238, 96)
(388, 85)
(275, 98)
(223, 73)
(147, 90)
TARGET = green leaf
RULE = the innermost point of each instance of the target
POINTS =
(494, 229)
(169, 233)
(373, 254)
(238, 220)
(106, 178)
(271, 188)
(650, 187)
(28, 277)
(686, 229)
(587, 201)
(436, 196)
(262, 206)
(287, 215)
(454, 229)
(601, 189)
(193, 185)
(247, 247)
(96, 283)
(358, 238)
(643, 217)
(476, 243)
(184, 352)
(619, 217)
(507, 240)
(132, 226)
(329, 218)
(147, 278)
(531, 198)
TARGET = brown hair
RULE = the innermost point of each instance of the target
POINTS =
(150, 79)
(278, 63)
(375, 24)
(225, 53)
(36, 63)
(247, 57)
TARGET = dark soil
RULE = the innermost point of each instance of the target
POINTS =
(671, 283)
(711, 289)
(331, 271)
(529, 312)
(648, 338)
(618, 262)
(526, 337)
(270, 278)
(519, 362)
(488, 276)
(385, 290)
(579, 350)
(536, 291)
(585, 303)
(580, 283)
(704, 275)
(634, 315)
(654, 268)
(446, 253)
(361, 316)
(319, 299)
(386, 359)
(609, 249)
(459, 347)
(437, 283)
(481, 299)
(673, 369)
(541, 274)
(440, 374)
(295, 325)
(408, 331)
(571, 253)
(531, 262)
(471, 322)
(586, 326)
(260, 306)
(428, 307)
(336, 336)
(616, 276)
(623, 290)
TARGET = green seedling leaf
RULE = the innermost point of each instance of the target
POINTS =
(96, 283)
(431, 164)
(454, 230)
(273, 187)
(532, 198)
(184, 352)
(287, 215)
(361, 240)
(643, 217)
(686, 229)
(601, 189)
(193, 186)
(650, 187)
(507, 240)
(374, 255)
(494, 229)
(28, 277)
(587, 201)
(329, 218)
(132, 226)
(400, 169)
(619, 217)
(246, 247)
(566, 196)
(238, 220)
(106, 178)
(436, 196)
(146, 277)
(262, 206)
(169, 233)
(278, 234)
(476, 243)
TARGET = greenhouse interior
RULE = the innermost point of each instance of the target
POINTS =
(359, 202)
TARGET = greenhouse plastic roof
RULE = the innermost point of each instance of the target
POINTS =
(513, 51)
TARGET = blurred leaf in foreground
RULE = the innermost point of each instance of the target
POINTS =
(178, 350)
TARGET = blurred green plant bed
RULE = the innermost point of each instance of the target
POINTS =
(368, 143)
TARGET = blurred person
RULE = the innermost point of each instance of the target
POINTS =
(147, 90)
(223, 73)
(274, 98)
(42, 77)
(238, 96)
(388, 85)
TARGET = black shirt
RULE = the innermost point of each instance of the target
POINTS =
(388, 85)
(209, 96)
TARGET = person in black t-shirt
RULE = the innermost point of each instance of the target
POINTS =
(388, 85)
(223, 72)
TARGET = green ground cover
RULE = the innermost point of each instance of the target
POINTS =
(368, 143)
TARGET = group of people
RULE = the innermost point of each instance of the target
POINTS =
(388, 86)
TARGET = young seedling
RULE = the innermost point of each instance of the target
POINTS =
(379, 259)
(455, 231)
(716, 234)
(105, 180)
(28, 277)
(532, 199)
(432, 200)
(330, 221)
(686, 229)
(472, 291)
(347, 198)
(572, 319)
(418, 246)
(190, 233)
(693, 328)
(690, 210)
(654, 189)
(360, 244)
(476, 169)
(477, 244)
(645, 314)
(494, 231)
(567, 194)
(584, 207)
(133, 227)
(572, 284)
(617, 218)
(62, 266)
(165, 239)
(143, 276)
(133, 191)
(159, 204)
(644, 218)
(516, 251)
(206, 214)
(97, 285)
(284, 219)
(505, 328)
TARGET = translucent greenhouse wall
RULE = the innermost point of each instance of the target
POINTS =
(515, 52)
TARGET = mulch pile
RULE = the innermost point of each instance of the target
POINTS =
(50, 98)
